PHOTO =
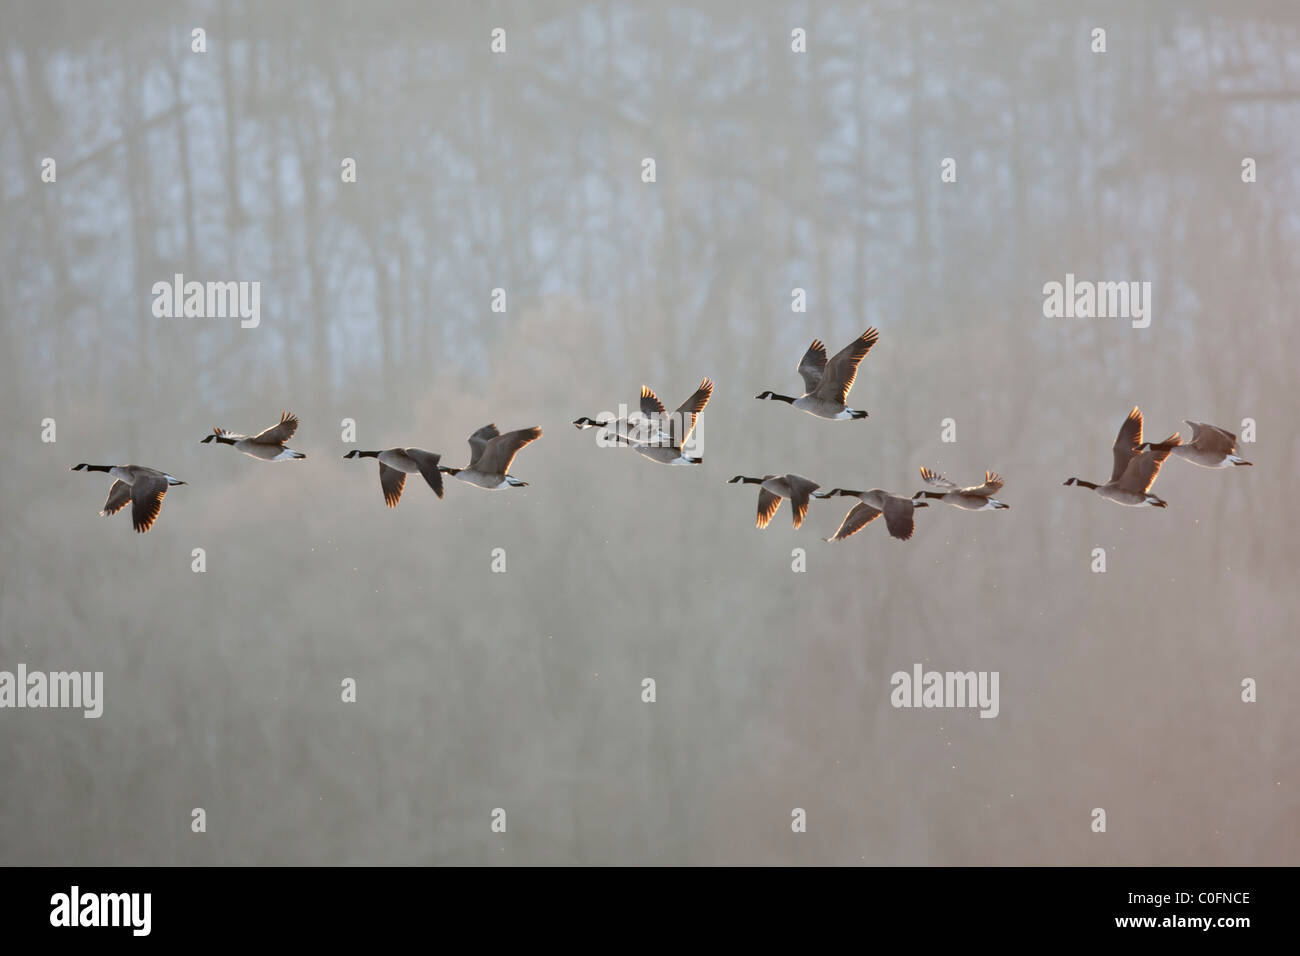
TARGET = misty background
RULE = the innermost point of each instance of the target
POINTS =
(522, 690)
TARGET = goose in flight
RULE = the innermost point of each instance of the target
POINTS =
(1210, 447)
(872, 504)
(490, 455)
(827, 384)
(396, 463)
(974, 498)
(142, 488)
(268, 445)
(1135, 470)
(772, 488)
(654, 433)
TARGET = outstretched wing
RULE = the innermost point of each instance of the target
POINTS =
(428, 464)
(858, 518)
(767, 505)
(501, 451)
(899, 517)
(1142, 470)
(1213, 438)
(1127, 442)
(119, 496)
(842, 370)
(936, 479)
(992, 485)
(280, 432)
(146, 501)
(812, 365)
(683, 422)
(392, 482)
(800, 489)
(479, 441)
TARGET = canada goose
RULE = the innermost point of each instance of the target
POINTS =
(396, 463)
(656, 434)
(143, 487)
(1135, 470)
(896, 509)
(827, 384)
(268, 445)
(772, 488)
(490, 455)
(974, 498)
(1210, 447)
(665, 436)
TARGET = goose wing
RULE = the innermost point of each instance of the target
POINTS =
(147, 493)
(813, 365)
(280, 432)
(768, 503)
(936, 479)
(683, 422)
(1142, 470)
(501, 451)
(992, 485)
(800, 489)
(392, 482)
(899, 517)
(858, 518)
(428, 465)
(479, 441)
(1127, 442)
(119, 496)
(1213, 438)
(842, 371)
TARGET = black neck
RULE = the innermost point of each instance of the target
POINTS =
(104, 468)
(931, 494)
(364, 454)
(1085, 484)
(223, 440)
(788, 399)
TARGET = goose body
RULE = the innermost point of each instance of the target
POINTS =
(827, 384)
(1135, 470)
(1210, 447)
(267, 445)
(974, 498)
(656, 434)
(898, 512)
(772, 488)
(396, 463)
(142, 488)
(490, 456)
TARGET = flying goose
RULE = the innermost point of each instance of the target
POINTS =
(1135, 470)
(654, 433)
(267, 445)
(665, 437)
(772, 488)
(396, 463)
(1210, 447)
(974, 498)
(143, 487)
(896, 509)
(490, 455)
(827, 384)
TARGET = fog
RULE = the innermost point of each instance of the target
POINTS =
(522, 690)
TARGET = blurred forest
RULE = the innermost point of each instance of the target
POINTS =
(521, 170)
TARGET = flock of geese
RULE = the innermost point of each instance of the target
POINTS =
(663, 438)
